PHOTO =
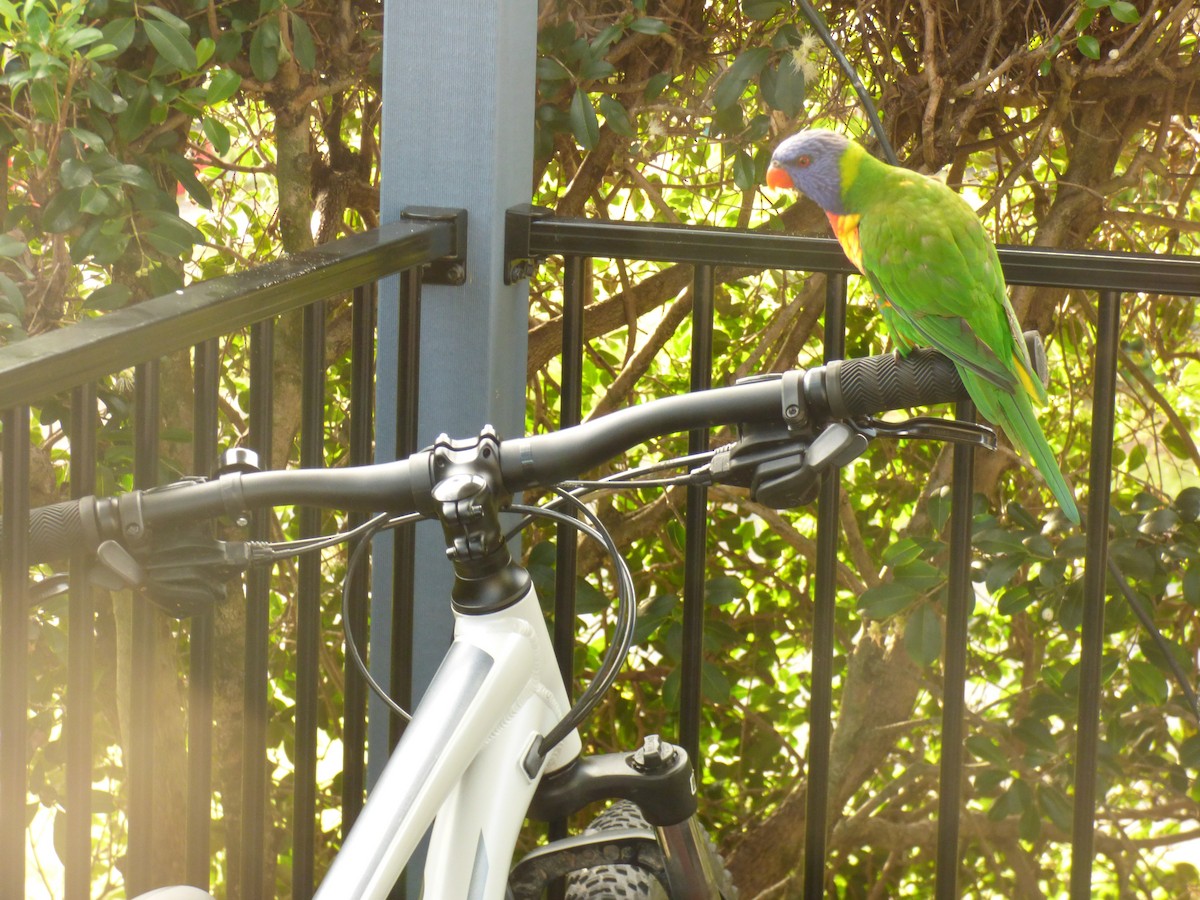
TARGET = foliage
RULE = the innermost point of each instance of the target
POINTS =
(151, 144)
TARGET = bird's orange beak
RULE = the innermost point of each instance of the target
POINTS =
(777, 177)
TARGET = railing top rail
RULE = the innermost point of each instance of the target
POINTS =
(1091, 270)
(49, 363)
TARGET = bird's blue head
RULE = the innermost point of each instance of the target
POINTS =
(811, 162)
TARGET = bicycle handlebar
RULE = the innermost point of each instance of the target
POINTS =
(840, 390)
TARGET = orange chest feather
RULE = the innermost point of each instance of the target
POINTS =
(845, 229)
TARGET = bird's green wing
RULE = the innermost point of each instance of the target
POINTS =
(927, 255)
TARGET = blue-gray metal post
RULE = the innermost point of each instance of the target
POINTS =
(457, 132)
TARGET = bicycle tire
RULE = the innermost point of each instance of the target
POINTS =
(631, 882)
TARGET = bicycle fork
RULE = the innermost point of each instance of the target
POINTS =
(658, 778)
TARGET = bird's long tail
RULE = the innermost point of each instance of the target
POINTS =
(1014, 413)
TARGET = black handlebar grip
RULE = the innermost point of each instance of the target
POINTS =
(58, 530)
(875, 384)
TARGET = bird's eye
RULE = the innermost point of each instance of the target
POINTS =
(804, 161)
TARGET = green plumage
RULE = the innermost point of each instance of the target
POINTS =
(939, 284)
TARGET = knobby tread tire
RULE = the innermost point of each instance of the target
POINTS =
(629, 882)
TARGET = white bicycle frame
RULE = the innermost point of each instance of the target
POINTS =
(461, 760)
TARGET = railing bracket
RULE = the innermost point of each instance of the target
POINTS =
(518, 261)
(450, 269)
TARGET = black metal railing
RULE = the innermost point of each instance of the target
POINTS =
(70, 365)
(69, 368)
(534, 235)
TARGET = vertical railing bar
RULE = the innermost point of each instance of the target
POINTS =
(960, 599)
(696, 523)
(81, 635)
(205, 387)
(407, 386)
(820, 716)
(354, 734)
(1094, 588)
(570, 413)
(258, 583)
(308, 607)
(140, 764)
(14, 624)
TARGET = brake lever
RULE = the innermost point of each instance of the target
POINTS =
(180, 585)
(952, 431)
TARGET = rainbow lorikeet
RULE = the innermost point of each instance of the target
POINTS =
(935, 274)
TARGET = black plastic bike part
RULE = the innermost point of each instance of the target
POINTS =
(467, 495)
(838, 390)
(183, 571)
(862, 387)
(784, 484)
(519, 262)
(951, 431)
(664, 787)
(451, 269)
(612, 847)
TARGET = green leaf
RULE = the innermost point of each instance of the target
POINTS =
(551, 70)
(923, 635)
(12, 301)
(302, 44)
(1191, 586)
(743, 171)
(783, 87)
(1034, 733)
(74, 173)
(761, 9)
(169, 234)
(1056, 805)
(264, 51)
(584, 124)
(1001, 571)
(656, 84)
(109, 297)
(43, 93)
(185, 170)
(136, 117)
(1124, 12)
(1148, 681)
(885, 600)
(10, 247)
(62, 211)
(205, 48)
(172, 46)
(223, 85)
(1188, 504)
(169, 19)
(95, 200)
(217, 134)
(1016, 599)
(1088, 46)
(988, 750)
(1159, 521)
(714, 684)
(128, 173)
(81, 38)
(615, 116)
(120, 33)
(733, 83)
(901, 552)
(1189, 752)
(649, 25)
